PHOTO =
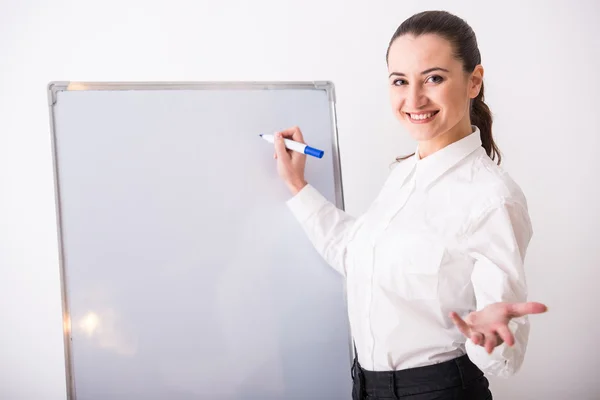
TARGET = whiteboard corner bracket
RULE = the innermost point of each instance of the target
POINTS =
(329, 87)
(53, 89)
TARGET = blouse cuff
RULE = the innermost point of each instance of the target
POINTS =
(306, 202)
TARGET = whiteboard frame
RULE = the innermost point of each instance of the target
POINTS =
(54, 87)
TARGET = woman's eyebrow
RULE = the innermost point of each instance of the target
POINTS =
(422, 73)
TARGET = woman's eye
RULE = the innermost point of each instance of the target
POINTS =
(399, 82)
(435, 79)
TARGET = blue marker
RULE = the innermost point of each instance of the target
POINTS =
(296, 146)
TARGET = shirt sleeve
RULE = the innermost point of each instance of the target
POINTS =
(326, 226)
(498, 243)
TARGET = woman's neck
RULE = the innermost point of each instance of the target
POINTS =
(456, 133)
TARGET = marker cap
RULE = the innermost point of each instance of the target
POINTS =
(311, 151)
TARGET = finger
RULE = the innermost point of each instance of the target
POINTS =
(477, 338)
(461, 324)
(521, 309)
(275, 155)
(506, 335)
(293, 133)
(280, 150)
(490, 342)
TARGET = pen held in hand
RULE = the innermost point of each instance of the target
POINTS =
(296, 146)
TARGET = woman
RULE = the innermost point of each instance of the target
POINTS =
(434, 268)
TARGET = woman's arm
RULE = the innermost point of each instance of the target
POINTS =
(499, 328)
(326, 226)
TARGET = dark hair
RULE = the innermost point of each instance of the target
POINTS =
(464, 43)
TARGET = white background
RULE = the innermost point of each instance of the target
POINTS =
(541, 58)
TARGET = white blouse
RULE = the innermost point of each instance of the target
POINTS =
(446, 233)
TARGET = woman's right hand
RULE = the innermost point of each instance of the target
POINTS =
(290, 164)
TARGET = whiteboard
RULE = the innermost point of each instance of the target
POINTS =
(184, 275)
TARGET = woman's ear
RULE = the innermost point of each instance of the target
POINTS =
(475, 81)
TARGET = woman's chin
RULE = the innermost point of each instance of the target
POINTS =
(421, 134)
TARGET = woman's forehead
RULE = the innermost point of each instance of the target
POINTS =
(409, 53)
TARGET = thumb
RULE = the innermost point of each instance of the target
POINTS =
(280, 149)
(521, 309)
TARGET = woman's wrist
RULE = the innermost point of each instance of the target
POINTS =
(296, 187)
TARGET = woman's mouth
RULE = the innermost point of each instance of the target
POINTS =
(422, 117)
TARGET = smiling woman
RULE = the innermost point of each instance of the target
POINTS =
(435, 268)
(436, 81)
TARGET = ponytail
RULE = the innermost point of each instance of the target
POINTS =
(482, 118)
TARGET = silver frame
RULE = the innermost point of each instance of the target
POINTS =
(55, 87)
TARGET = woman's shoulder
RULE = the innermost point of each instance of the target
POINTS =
(493, 182)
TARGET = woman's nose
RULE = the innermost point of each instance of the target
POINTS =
(416, 99)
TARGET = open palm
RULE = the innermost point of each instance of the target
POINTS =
(488, 327)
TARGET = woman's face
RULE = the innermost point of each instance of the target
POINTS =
(429, 91)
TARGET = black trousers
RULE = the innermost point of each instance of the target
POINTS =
(457, 379)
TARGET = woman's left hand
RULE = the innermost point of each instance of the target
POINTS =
(488, 327)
